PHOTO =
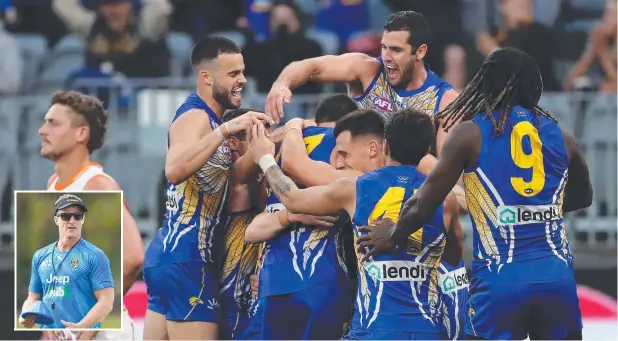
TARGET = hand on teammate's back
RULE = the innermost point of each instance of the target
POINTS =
(274, 102)
(320, 221)
(378, 239)
(260, 143)
(246, 121)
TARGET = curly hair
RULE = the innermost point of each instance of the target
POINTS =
(91, 109)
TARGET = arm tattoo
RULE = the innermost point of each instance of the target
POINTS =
(279, 182)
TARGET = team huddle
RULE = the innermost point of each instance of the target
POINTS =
(347, 225)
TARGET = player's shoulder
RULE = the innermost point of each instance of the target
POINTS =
(363, 62)
(102, 182)
(90, 248)
(44, 251)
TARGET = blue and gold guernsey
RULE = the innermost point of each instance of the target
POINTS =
(514, 194)
(180, 265)
(397, 292)
(522, 273)
(383, 98)
(304, 256)
(240, 263)
(304, 270)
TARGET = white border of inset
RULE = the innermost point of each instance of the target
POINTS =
(15, 306)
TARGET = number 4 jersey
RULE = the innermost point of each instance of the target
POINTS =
(515, 193)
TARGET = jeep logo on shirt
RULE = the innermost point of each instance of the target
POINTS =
(57, 279)
(396, 270)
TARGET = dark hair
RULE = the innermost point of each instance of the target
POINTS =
(410, 134)
(209, 48)
(412, 22)
(333, 108)
(361, 122)
(90, 109)
(508, 78)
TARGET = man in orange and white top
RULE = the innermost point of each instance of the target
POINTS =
(74, 127)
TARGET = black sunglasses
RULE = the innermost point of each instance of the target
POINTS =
(67, 216)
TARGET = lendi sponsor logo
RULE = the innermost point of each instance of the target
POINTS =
(454, 280)
(397, 270)
(520, 215)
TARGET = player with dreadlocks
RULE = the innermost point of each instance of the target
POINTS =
(515, 160)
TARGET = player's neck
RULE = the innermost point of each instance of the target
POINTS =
(391, 162)
(206, 96)
(66, 243)
(69, 165)
(418, 78)
(327, 125)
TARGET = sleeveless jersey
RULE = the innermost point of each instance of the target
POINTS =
(514, 194)
(382, 97)
(240, 258)
(79, 181)
(67, 280)
(398, 291)
(303, 255)
(195, 207)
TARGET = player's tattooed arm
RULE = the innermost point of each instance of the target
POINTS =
(279, 182)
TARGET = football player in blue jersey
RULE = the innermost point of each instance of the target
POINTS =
(397, 295)
(72, 277)
(181, 263)
(516, 162)
(304, 268)
(398, 79)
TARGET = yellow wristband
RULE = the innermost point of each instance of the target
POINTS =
(224, 131)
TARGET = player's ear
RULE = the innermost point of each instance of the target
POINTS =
(420, 52)
(233, 143)
(82, 134)
(374, 148)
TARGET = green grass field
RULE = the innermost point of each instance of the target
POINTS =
(112, 321)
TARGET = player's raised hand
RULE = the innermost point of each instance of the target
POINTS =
(321, 221)
(27, 322)
(378, 239)
(260, 143)
(246, 121)
(274, 102)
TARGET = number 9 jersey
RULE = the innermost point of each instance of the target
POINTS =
(515, 193)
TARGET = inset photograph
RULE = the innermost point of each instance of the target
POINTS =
(68, 260)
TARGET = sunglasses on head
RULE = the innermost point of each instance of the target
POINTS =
(67, 216)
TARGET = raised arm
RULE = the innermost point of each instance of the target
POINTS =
(303, 169)
(193, 142)
(346, 68)
(578, 191)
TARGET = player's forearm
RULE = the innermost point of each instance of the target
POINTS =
(264, 227)
(99, 312)
(28, 303)
(296, 74)
(195, 156)
(284, 188)
(294, 155)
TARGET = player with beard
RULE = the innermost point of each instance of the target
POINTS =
(180, 267)
(75, 126)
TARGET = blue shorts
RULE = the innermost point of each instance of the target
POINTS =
(319, 312)
(373, 334)
(455, 295)
(514, 311)
(253, 331)
(184, 291)
(235, 319)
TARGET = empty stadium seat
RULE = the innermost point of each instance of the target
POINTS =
(60, 66)
(33, 48)
(327, 40)
(70, 43)
(180, 45)
(378, 13)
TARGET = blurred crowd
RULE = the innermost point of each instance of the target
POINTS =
(573, 41)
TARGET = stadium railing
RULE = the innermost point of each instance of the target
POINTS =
(140, 111)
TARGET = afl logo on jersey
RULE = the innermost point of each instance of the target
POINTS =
(382, 104)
